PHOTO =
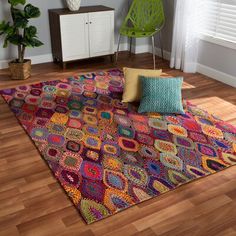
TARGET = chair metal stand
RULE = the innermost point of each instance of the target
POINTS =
(130, 50)
(153, 52)
(118, 48)
(161, 44)
(130, 46)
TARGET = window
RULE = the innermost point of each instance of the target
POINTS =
(219, 20)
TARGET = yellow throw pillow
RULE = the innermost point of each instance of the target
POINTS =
(132, 89)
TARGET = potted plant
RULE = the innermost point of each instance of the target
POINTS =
(21, 34)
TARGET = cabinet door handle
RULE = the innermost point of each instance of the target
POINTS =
(90, 22)
(86, 23)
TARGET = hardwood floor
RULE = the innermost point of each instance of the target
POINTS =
(33, 203)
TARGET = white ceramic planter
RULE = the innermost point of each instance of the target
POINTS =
(73, 5)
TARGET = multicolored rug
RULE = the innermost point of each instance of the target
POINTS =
(108, 157)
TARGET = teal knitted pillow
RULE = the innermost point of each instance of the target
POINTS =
(162, 95)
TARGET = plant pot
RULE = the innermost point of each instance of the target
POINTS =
(20, 71)
(73, 5)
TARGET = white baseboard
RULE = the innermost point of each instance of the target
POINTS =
(41, 59)
(148, 48)
(3, 64)
(217, 75)
(141, 49)
(123, 47)
(48, 57)
(35, 60)
(136, 49)
(166, 54)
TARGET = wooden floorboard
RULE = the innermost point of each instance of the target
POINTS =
(33, 203)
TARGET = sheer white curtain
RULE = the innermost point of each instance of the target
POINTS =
(187, 20)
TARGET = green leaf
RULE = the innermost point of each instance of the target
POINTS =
(6, 28)
(31, 11)
(13, 32)
(10, 30)
(16, 2)
(19, 18)
(21, 23)
(5, 44)
(35, 43)
(15, 39)
(3, 26)
(30, 32)
(17, 13)
(26, 42)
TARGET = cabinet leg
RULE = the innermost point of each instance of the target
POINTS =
(112, 58)
(64, 65)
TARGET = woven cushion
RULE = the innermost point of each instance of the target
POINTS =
(161, 95)
(132, 89)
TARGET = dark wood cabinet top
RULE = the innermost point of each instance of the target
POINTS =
(87, 9)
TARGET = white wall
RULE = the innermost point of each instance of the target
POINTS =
(168, 28)
(217, 57)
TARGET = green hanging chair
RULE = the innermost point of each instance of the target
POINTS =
(145, 18)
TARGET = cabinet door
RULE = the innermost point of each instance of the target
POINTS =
(101, 33)
(74, 36)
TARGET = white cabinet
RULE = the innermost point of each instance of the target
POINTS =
(101, 33)
(83, 34)
(74, 36)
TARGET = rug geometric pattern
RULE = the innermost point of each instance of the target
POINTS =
(105, 155)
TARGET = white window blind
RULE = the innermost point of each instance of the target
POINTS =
(219, 19)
